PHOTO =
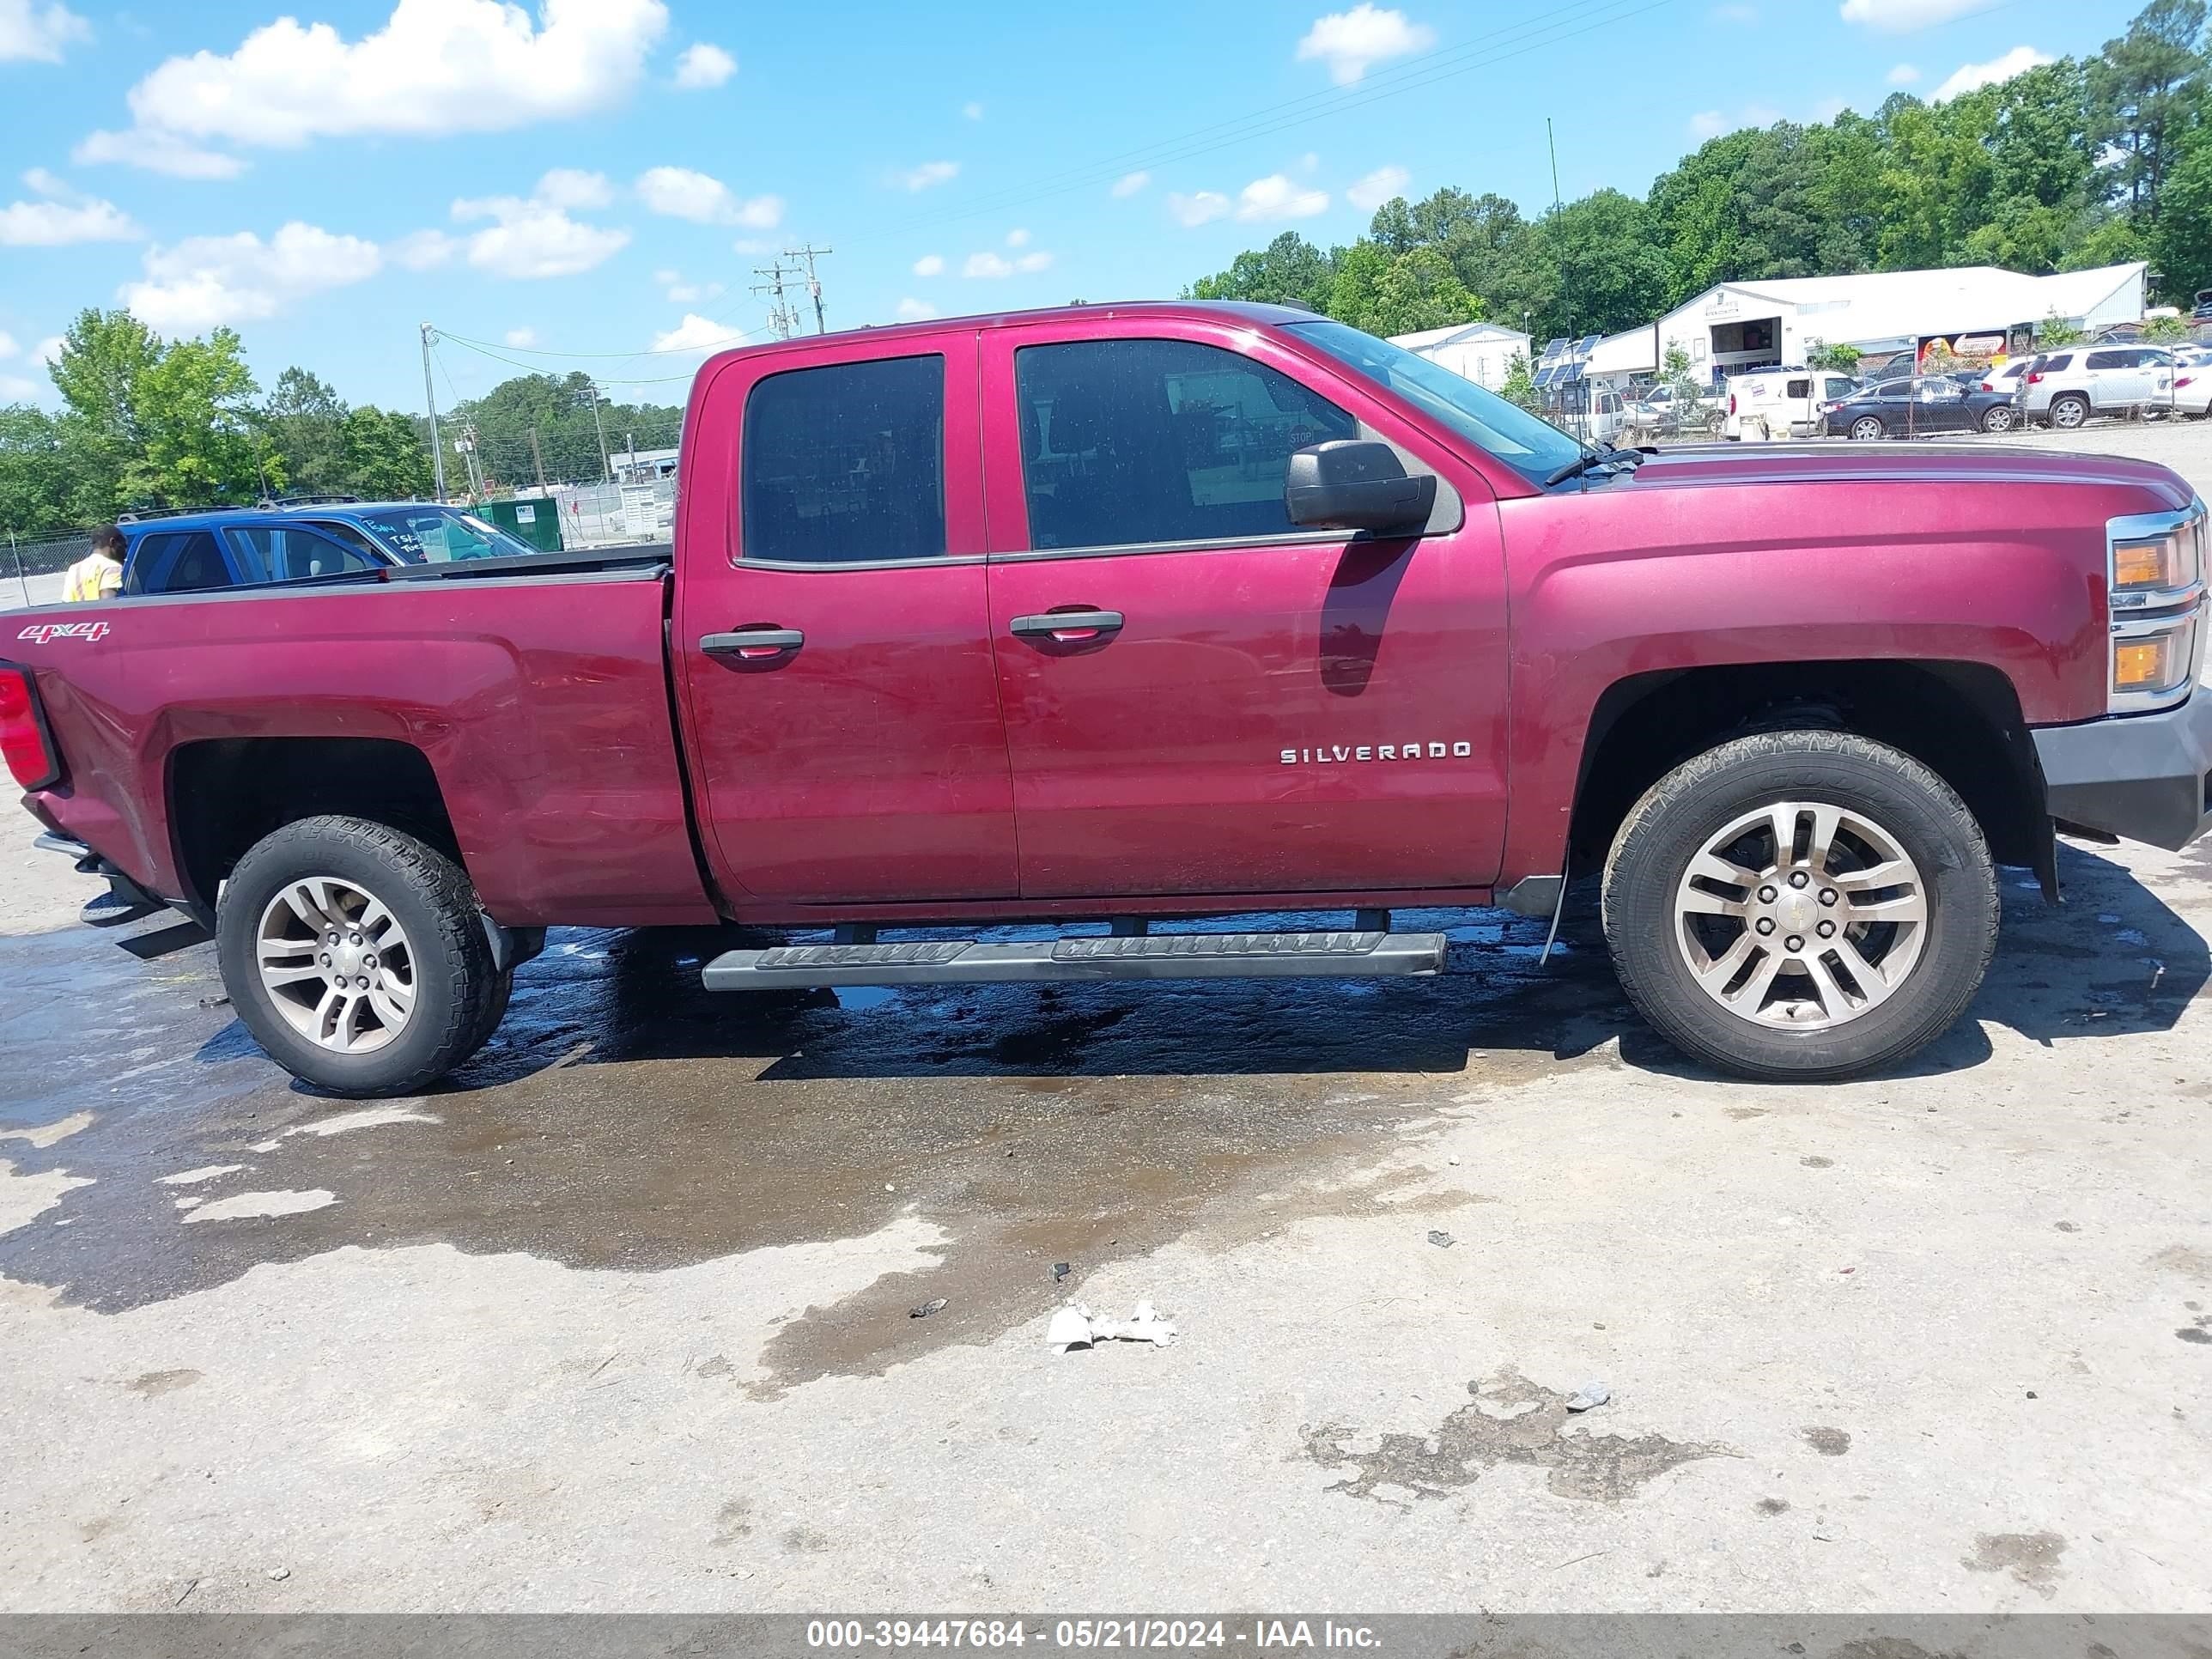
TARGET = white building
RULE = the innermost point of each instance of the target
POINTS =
(1482, 352)
(1977, 311)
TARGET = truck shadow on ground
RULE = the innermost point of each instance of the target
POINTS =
(2113, 959)
(625, 1119)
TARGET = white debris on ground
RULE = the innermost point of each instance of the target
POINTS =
(194, 1177)
(46, 1134)
(1076, 1327)
(241, 1206)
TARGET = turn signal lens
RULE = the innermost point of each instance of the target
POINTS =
(2142, 664)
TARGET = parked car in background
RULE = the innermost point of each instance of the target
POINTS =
(2065, 388)
(1659, 411)
(304, 538)
(1921, 408)
(2005, 378)
(2192, 391)
(1780, 403)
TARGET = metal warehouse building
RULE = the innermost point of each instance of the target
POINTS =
(1977, 311)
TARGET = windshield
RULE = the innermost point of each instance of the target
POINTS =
(1532, 447)
(436, 535)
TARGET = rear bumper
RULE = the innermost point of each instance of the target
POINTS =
(2145, 777)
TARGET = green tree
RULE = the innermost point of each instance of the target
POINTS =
(2055, 330)
(200, 437)
(2181, 242)
(305, 421)
(1355, 282)
(2148, 88)
(33, 471)
(1519, 383)
(381, 456)
(1844, 359)
(1420, 290)
(1289, 268)
(2160, 329)
(99, 373)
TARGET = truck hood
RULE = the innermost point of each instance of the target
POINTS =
(1901, 463)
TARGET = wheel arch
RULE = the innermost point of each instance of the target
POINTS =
(226, 793)
(1961, 719)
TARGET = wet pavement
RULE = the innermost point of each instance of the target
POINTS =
(860, 1154)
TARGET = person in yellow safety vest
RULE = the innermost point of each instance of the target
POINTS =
(99, 575)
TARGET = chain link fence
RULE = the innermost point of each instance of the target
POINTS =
(31, 573)
(610, 515)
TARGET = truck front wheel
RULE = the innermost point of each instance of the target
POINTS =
(356, 955)
(1796, 906)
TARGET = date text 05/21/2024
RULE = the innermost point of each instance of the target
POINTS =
(1256, 1636)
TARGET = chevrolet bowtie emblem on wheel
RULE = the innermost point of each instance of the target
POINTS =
(1339, 753)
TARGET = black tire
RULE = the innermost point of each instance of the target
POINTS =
(494, 1008)
(1999, 419)
(456, 987)
(1699, 798)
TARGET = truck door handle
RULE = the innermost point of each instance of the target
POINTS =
(1068, 626)
(753, 644)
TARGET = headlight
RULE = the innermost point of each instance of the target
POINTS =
(2157, 587)
(2165, 564)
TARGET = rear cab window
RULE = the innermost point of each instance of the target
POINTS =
(843, 464)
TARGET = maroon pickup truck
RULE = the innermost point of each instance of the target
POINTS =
(1103, 618)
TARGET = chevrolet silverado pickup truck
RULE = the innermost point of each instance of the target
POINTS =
(1109, 619)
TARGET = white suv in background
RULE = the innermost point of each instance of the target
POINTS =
(2066, 387)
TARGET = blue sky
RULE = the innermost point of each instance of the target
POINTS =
(604, 176)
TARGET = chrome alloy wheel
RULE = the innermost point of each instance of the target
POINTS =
(1867, 428)
(1800, 915)
(336, 965)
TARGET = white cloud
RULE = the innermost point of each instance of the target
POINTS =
(16, 389)
(1353, 42)
(156, 152)
(63, 217)
(1903, 75)
(1130, 183)
(1265, 201)
(204, 281)
(1902, 16)
(423, 250)
(699, 335)
(1200, 207)
(1760, 115)
(435, 66)
(1708, 124)
(997, 265)
(1017, 238)
(1378, 187)
(1827, 109)
(1734, 13)
(752, 245)
(521, 336)
(973, 111)
(681, 293)
(681, 193)
(1971, 76)
(916, 311)
(704, 65)
(7, 346)
(37, 32)
(927, 174)
(572, 187)
(48, 350)
(535, 237)
(930, 264)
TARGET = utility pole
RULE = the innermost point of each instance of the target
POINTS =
(437, 450)
(536, 455)
(466, 443)
(631, 438)
(779, 317)
(606, 466)
(813, 283)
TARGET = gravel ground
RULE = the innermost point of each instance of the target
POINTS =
(623, 1318)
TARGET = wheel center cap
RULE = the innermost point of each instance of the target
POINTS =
(346, 959)
(1797, 911)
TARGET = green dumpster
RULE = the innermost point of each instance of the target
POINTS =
(535, 519)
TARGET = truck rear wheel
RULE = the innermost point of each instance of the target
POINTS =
(1801, 906)
(356, 955)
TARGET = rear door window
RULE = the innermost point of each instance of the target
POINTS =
(844, 464)
(291, 553)
(2110, 360)
(179, 561)
(2051, 365)
(1797, 389)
